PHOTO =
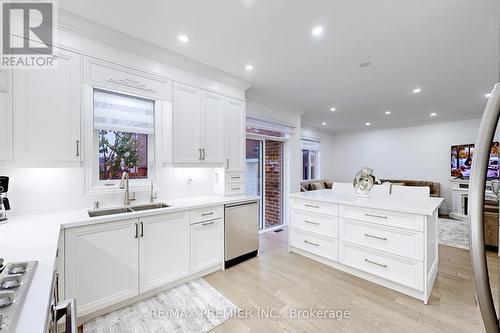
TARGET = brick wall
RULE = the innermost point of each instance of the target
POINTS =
(274, 160)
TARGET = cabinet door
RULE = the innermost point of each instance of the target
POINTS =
(101, 263)
(207, 244)
(46, 111)
(213, 128)
(5, 116)
(163, 249)
(235, 135)
(187, 124)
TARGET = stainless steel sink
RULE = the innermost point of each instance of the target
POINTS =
(138, 208)
(105, 212)
(149, 207)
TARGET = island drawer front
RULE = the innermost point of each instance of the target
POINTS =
(320, 224)
(384, 217)
(207, 214)
(327, 248)
(315, 206)
(407, 243)
(403, 271)
(235, 177)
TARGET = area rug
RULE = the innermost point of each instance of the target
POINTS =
(194, 307)
(453, 233)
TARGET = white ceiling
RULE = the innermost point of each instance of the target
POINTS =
(449, 48)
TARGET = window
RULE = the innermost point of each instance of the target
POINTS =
(310, 159)
(123, 127)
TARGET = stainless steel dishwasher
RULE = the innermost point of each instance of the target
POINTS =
(241, 232)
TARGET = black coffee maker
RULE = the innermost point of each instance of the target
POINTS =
(4, 201)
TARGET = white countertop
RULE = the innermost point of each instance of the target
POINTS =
(35, 237)
(397, 203)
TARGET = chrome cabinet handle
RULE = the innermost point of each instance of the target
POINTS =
(235, 177)
(67, 308)
(235, 188)
(201, 156)
(312, 206)
(377, 237)
(208, 223)
(136, 232)
(375, 263)
(77, 148)
(207, 214)
(227, 163)
(477, 184)
(141, 233)
(377, 216)
(311, 222)
(204, 153)
(312, 243)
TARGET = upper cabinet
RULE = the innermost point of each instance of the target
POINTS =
(235, 120)
(46, 111)
(5, 116)
(198, 126)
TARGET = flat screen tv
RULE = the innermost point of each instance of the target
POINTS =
(461, 161)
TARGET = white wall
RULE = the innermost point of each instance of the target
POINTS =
(417, 152)
(326, 145)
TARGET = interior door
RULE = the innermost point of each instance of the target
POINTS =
(163, 249)
(213, 128)
(187, 124)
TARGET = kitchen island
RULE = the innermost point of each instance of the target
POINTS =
(387, 239)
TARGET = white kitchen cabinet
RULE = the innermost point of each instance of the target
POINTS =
(101, 263)
(187, 124)
(163, 249)
(235, 116)
(46, 111)
(213, 128)
(207, 239)
(198, 126)
(5, 116)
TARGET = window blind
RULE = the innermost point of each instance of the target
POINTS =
(310, 144)
(269, 125)
(117, 112)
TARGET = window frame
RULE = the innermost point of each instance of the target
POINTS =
(92, 182)
(318, 169)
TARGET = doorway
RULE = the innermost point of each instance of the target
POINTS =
(265, 161)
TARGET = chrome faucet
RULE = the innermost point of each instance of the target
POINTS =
(124, 184)
(152, 195)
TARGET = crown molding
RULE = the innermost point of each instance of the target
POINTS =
(91, 30)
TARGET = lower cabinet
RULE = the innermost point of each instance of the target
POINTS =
(101, 263)
(110, 262)
(207, 244)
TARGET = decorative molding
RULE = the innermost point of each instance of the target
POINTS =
(131, 84)
(91, 30)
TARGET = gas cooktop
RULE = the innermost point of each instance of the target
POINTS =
(15, 278)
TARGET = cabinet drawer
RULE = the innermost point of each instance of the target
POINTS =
(315, 206)
(207, 214)
(403, 271)
(327, 248)
(235, 177)
(236, 188)
(407, 243)
(384, 217)
(321, 224)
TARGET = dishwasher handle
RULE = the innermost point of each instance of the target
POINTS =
(241, 204)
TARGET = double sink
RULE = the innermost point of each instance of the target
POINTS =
(130, 209)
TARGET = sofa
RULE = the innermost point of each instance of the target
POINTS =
(435, 187)
(315, 184)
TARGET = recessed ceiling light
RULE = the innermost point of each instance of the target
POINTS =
(368, 124)
(317, 31)
(488, 95)
(184, 38)
(333, 109)
(433, 114)
(388, 113)
(249, 67)
(417, 90)
(323, 123)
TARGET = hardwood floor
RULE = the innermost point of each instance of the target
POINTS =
(282, 281)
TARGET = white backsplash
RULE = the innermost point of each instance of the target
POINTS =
(38, 190)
